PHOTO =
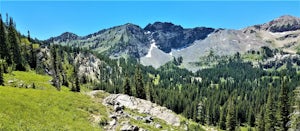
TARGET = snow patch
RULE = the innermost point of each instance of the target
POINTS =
(146, 33)
(276, 34)
(153, 45)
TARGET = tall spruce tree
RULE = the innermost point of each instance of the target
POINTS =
(284, 106)
(222, 123)
(260, 121)
(270, 117)
(126, 86)
(4, 52)
(231, 116)
(139, 84)
(55, 71)
(1, 76)
(15, 46)
(295, 117)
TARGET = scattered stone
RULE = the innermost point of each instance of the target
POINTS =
(129, 127)
(10, 81)
(139, 118)
(118, 108)
(148, 119)
(113, 116)
(113, 122)
(158, 126)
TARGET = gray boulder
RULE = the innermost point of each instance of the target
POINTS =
(143, 106)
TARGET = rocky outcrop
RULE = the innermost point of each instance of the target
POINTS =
(279, 60)
(143, 106)
(169, 36)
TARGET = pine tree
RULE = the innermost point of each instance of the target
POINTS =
(15, 46)
(126, 86)
(55, 71)
(231, 117)
(77, 86)
(222, 123)
(139, 84)
(261, 121)
(1, 76)
(283, 107)
(270, 119)
(4, 52)
(295, 117)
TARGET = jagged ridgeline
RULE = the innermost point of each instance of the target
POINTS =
(246, 77)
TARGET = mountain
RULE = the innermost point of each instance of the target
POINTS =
(158, 43)
(169, 36)
(282, 33)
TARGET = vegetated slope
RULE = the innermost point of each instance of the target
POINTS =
(29, 109)
(126, 40)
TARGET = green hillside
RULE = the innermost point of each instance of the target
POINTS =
(34, 109)
(29, 109)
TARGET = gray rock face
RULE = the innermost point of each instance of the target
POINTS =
(169, 36)
(129, 127)
(143, 106)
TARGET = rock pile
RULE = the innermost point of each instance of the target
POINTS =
(121, 101)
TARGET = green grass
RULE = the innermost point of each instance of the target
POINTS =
(29, 109)
(26, 79)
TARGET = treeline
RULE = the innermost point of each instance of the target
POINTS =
(17, 52)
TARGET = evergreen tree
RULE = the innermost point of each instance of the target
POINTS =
(283, 107)
(77, 85)
(223, 119)
(295, 117)
(15, 46)
(1, 76)
(231, 117)
(55, 71)
(139, 84)
(4, 52)
(126, 86)
(270, 119)
(261, 121)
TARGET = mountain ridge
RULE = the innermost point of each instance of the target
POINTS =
(170, 40)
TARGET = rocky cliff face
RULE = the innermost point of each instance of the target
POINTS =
(90, 67)
(169, 36)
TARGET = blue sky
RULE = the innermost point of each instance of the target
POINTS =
(51, 18)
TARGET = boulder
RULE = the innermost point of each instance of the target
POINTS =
(113, 122)
(158, 126)
(129, 127)
(148, 119)
(143, 106)
(113, 116)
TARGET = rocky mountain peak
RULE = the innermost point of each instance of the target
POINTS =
(283, 23)
(64, 37)
(163, 26)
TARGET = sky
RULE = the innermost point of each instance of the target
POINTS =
(45, 19)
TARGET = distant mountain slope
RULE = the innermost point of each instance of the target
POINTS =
(283, 33)
(159, 42)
